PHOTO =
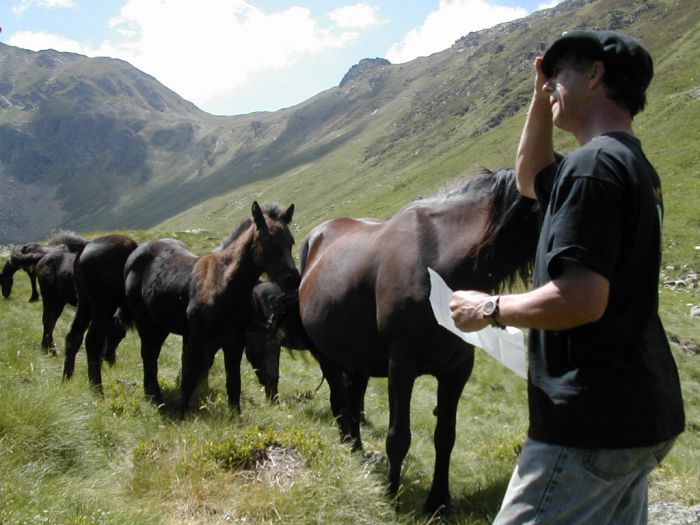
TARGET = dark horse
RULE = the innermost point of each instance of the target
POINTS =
(274, 322)
(24, 258)
(99, 281)
(206, 299)
(364, 300)
(54, 270)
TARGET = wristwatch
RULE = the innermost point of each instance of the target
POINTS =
(491, 310)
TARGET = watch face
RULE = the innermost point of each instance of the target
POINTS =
(489, 307)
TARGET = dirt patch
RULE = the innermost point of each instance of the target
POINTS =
(280, 467)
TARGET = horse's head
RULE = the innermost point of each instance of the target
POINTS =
(6, 279)
(273, 245)
(30, 248)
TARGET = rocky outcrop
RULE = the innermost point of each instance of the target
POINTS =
(360, 69)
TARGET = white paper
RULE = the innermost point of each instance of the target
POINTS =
(506, 346)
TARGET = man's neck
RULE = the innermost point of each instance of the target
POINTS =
(605, 116)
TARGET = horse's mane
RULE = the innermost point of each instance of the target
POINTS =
(273, 211)
(512, 224)
(70, 239)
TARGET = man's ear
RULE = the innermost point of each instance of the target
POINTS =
(595, 75)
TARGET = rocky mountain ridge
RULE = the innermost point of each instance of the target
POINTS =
(93, 143)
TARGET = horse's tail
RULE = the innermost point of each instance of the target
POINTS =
(71, 240)
(124, 317)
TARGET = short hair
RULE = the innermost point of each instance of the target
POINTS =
(619, 86)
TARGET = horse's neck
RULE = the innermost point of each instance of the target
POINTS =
(459, 227)
(241, 269)
(8, 270)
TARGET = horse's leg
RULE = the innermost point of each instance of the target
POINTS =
(115, 332)
(341, 407)
(272, 362)
(450, 386)
(32, 279)
(197, 359)
(52, 308)
(402, 375)
(357, 390)
(233, 352)
(151, 342)
(74, 338)
(94, 345)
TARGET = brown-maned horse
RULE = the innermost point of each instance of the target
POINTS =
(206, 299)
(98, 273)
(364, 302)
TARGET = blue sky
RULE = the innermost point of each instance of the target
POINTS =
(238, 56)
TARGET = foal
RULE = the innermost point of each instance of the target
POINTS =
(206, 299)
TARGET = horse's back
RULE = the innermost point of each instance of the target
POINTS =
(157, 278)
(55, 274)
(100, 268)
(365, 290)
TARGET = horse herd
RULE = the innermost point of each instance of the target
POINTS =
(359, 302)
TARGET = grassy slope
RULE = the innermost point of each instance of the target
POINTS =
(68, 457)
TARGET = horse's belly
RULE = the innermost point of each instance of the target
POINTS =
(168, 312)
(348, 338)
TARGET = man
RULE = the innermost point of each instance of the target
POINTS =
(604, 395)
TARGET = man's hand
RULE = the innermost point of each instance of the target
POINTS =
(540, 81)
(466, 307)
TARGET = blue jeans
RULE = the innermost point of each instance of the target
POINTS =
(567, 486)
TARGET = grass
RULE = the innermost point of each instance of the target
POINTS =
(68, 456)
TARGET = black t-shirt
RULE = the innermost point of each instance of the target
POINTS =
(612, 383)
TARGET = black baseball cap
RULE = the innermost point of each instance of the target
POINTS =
(617, 51)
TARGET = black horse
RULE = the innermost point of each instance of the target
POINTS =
(274, 322)
(364, 301)
(24, 258)
(206, 299)
(54, 270)
(99, 281)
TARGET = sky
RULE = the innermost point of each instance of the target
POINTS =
(232, 57)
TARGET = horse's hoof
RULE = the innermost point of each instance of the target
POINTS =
(438, 513)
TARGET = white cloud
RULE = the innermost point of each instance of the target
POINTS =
(452, 20)
(36, 40)
(209, 47)
(23, 5)
(548, 5)
(357, 16)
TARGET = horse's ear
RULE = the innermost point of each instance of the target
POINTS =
(258, 217)
(287, 215)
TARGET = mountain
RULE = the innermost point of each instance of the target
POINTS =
(96, 144)
(83, 140)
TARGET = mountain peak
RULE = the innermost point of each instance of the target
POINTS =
(362, 67)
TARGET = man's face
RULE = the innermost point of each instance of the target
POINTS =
(569, 94)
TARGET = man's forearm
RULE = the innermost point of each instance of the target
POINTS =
(536, 147)
(579, 297)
